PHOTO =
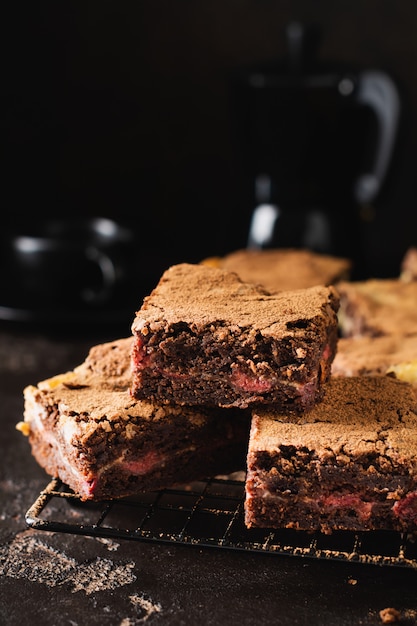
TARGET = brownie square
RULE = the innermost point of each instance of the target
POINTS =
(205, 337)
(86, 429)
(348, 464)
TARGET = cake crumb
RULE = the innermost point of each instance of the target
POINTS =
(389, 615)
(24, 428)
(352, 581)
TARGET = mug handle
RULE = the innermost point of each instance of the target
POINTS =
(108, 277)
(377, 90)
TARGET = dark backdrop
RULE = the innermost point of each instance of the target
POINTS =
(125, 109)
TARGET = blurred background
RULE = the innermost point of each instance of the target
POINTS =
(178, 119)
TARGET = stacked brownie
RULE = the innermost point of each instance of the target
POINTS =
(205, 337)
(323, 454)
(171, 404)
(222, 375)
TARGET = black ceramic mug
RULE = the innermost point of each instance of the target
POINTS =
(69, 263)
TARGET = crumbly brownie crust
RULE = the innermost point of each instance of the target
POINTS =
(377, 307)
(282, 269)
(204, 337)
(85, 428)
(348, 464)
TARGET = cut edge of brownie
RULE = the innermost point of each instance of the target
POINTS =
(205, 337)
(349, 464)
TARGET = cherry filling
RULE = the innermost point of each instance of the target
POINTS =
(406, 508)
(90, 486)
(348, 501)
(143, 465)
(327, 352)
(141, 360)
(241, 381)
(135, 467)
(252, 384)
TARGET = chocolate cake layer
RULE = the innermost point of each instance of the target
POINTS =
(85, 428)
(204, 337)
(348, 464)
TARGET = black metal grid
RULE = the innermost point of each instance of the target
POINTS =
(208, 514)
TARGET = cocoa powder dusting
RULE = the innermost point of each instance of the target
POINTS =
(30, 558)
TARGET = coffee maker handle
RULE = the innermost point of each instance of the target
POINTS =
(377, 90)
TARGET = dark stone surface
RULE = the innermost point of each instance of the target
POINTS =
(60, 579)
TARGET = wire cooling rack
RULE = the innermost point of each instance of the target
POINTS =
(208, 514)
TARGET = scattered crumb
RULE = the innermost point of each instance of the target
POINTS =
(146, 608)
(410, 614)
(109, 543)
(145, 605)
(389, 615)
(352, 581)
(24, 428)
